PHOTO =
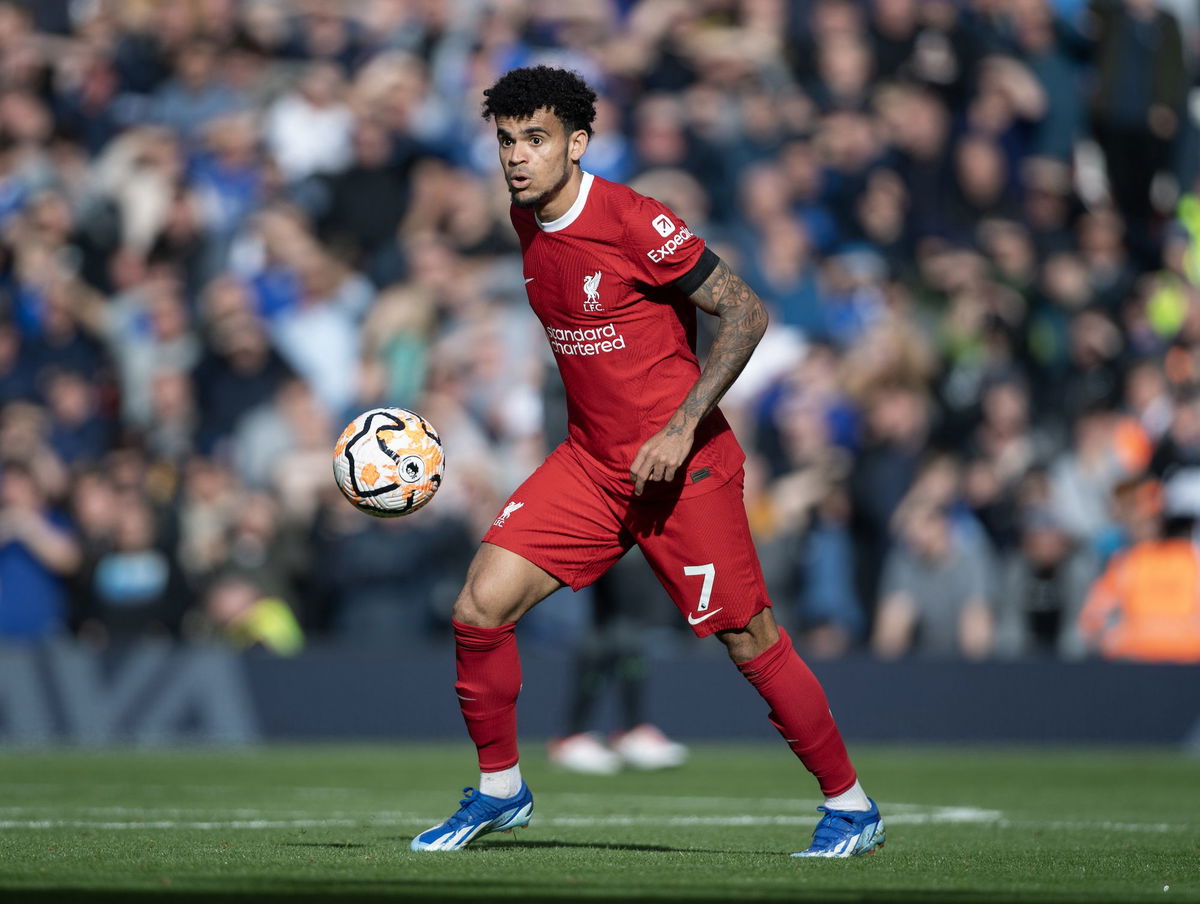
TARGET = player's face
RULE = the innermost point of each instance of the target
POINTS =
(538, 156)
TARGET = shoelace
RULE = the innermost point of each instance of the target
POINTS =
(469, 802)
(832, 828)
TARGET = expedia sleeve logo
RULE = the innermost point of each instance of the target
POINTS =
(671, 245)
(663, 224)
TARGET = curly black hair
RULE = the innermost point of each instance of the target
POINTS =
(521, 92)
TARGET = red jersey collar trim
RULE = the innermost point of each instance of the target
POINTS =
(575, 210)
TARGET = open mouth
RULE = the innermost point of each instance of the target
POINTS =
(518, 182)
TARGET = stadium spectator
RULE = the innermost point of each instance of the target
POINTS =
(132, 587)
(396, 335)
(983, 186)
(38, 554)
(1082, 479)
(209, 498)
(170, 433)
(1043, 582)
(18, 373)
(934, 596)
(228, 178)
(281, 447)
(893, 32)
(308, 130)
(146, 329)
(362, 206)
(1004, 439)
(196, 95)
(78, 428)
(897, 431)
(238, 370)
(1109, 268)
(1049, 40)
(1141, 78)
(323, 33)
(243, 616)
(1146, 605)
(377, 590)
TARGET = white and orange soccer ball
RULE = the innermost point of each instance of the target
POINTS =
(388, 462)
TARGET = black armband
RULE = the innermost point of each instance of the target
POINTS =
(694, 278)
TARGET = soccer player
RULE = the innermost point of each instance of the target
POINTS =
(615, 279)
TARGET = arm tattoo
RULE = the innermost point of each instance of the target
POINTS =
(743, 322)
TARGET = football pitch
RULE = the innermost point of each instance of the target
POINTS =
(332, 824)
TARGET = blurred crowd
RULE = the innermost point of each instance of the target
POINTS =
(228, 226)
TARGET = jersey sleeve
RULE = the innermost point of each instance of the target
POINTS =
(661, 248)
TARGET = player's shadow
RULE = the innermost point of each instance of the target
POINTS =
(516, 844)
(598, 846)
(324, 844)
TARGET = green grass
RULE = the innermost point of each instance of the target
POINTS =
(332, 824)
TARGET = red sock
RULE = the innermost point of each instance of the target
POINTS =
(801, 713)
(489, 680)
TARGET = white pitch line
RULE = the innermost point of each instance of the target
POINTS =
(746, 820)
(1103, 825)
(560, 821)
(8, 788)
(959, 815)
(248, 819)
(908, 814)
(177, 824)
(164, 812)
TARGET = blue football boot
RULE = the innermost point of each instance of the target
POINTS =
(846, 833)
(478, 814)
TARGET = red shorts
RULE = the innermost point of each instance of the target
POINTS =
(700, 547)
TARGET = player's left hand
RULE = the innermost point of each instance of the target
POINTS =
(660, 456)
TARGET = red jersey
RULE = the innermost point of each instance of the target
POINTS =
(599, 278)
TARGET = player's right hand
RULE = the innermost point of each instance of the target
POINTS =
(660, 456)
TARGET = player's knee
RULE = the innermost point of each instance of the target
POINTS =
(759, 634)
(485, 603)
(471, 608)
(740, 646)
(500, 588)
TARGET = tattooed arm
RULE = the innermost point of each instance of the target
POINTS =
(743, 320)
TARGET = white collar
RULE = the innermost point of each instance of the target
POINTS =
(575, 210)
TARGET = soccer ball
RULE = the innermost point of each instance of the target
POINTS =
(388, 462)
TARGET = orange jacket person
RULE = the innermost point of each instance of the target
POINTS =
(1146, 605)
